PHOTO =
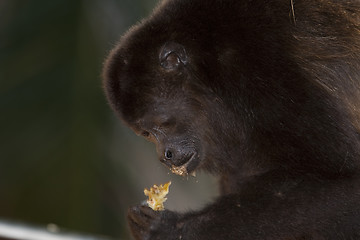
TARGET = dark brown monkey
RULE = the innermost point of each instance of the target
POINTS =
(265, 94)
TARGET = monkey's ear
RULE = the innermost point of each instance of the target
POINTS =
(172, 56)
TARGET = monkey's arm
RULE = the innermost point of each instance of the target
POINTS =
(303, 212)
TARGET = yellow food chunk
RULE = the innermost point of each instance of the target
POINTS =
(179, 170)
(157, 196)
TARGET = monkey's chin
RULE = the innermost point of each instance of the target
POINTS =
(188, 168)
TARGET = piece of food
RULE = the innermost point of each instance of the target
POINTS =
(179, 170)
(157, 196)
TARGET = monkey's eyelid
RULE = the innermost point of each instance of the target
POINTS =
(145, 134)
(171, 61)
(172, 49)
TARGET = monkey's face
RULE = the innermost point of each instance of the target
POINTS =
(155, 91)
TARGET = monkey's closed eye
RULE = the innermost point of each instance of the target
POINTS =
(172, 55)
(145, 134)
(171, 61)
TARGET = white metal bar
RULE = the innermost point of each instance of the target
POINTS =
(19, 231)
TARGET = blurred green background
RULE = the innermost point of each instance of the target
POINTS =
(64, 157)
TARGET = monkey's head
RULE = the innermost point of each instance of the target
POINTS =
(232, 92)
(210, 95)
(157, 80)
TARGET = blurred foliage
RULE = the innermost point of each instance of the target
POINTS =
(64, 157)
(55, 125)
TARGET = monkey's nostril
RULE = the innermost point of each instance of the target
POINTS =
(168, 154)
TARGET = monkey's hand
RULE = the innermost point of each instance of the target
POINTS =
(147, 224)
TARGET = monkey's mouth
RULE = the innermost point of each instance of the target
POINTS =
(188, 167)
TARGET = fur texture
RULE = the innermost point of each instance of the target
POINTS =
(265, 94)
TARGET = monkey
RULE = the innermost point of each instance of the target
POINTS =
(263, 94)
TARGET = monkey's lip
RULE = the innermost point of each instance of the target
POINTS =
(188, 168)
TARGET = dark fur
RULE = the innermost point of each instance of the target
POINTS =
(265, 97)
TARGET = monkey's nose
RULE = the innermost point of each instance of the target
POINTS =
(169, 155)
(172, 155)
(168, 158)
